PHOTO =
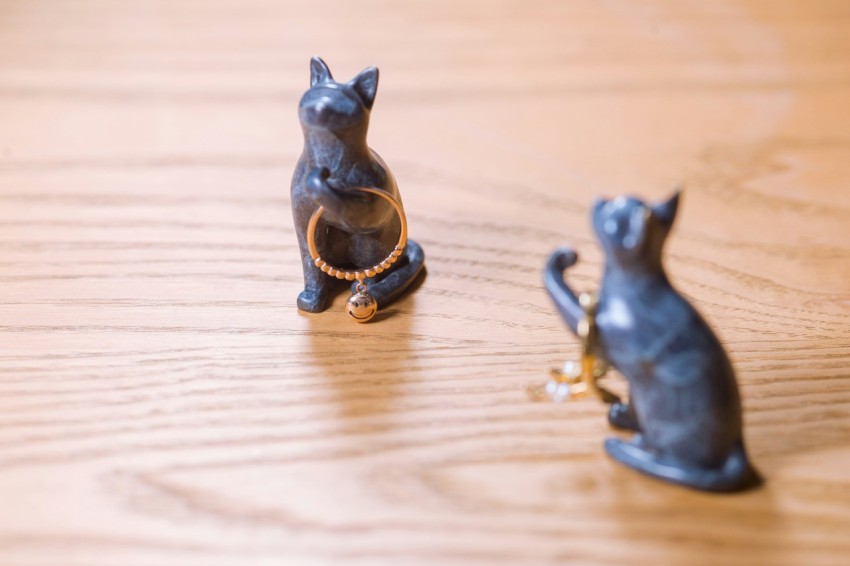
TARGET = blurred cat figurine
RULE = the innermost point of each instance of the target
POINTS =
(684, 404)
(356, 229)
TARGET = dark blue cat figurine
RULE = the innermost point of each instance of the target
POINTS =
(357, 230)
(684, 402)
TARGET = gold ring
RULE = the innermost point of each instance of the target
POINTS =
(361, 306)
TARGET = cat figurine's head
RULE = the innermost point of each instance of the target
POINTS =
(632, 233)
(337, 106)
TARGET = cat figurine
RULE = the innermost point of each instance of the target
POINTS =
(684, 404)
(356, 229)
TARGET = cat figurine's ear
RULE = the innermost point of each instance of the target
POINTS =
(665, 212)
(366, 85)
(319, 72)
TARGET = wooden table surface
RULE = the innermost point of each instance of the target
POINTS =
(163, 402)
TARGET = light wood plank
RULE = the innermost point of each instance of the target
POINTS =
(163, 402)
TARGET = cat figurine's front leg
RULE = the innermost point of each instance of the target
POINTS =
(357, 229)
(318, 287)
(566, 300)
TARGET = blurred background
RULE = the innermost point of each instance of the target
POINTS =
(573, 84)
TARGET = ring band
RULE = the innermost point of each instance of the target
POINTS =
(361, 274)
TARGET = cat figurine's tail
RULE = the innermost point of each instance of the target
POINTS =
(390, 285)
(735, 474)
(564, 297)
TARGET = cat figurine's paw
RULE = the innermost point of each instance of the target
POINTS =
(316, 184)
(313, 300)
(621, 415)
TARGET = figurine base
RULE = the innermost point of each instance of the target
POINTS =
(735, 475)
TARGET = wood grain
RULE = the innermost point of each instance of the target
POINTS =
(163, 402)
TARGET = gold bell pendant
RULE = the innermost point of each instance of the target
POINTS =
(361, 306)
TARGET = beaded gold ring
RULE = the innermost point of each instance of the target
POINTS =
(361, 306)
